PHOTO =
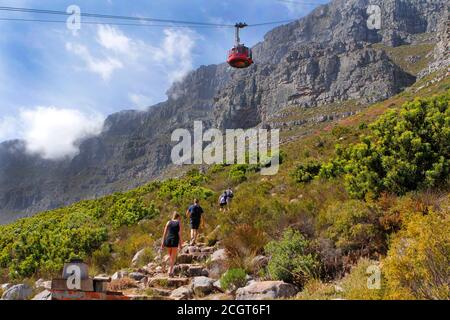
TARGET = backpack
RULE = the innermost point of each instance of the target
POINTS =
(223, 199)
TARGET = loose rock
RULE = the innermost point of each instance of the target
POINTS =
(182, 293)
(18, 292)
(218, 263)
(202, 286)
(266, 290)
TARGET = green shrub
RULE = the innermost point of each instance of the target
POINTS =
(291, 259)
(102, 257)
(304, 173)
(238, 172)
(217, 168)
(406, 150)
(353, 226)
(233, 279)
(340, 131)
(44, 242)
(418, 262)
(187, 188)
(129, 211)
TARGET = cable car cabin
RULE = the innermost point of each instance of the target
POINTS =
(240, 57)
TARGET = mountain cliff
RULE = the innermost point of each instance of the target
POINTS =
(330, 56)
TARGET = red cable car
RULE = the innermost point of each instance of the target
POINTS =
(240, 56)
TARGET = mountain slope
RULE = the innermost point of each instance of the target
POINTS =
(324, 58)
(339, 229)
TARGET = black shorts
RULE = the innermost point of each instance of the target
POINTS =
(223, 205)
(171, 243)
(195, 224)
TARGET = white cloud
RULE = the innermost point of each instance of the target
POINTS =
(113, 39)
(176, 53)
(112, 50)
(140, 101)
(103, 67)
(53, 132)
(295, 8)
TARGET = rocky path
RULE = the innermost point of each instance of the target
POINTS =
(196, 276)
(197, 273)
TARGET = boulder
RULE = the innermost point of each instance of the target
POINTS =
(41, 283)
(218, 286)
(190, 250)
(182, 293)
(218, 264)
(137, 257)
(266, 290)
(137, 276)
(5, 286)
(44, 295)
(202, 286)
(119, 275)
(150, 268)
(220, 254)
(18, 292)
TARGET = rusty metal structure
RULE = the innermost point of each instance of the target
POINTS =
(76, 284)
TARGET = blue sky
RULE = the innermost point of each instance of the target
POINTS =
(46, 69)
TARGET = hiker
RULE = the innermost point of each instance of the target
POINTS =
(229, 194)
(194, 213)
(172, 239)
(223, 201)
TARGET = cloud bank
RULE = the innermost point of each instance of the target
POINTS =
(112, 56)
(53, 133)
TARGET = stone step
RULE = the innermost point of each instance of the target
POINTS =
(166, 282)
(185, 258)
(201, 257)
(158, 292)
(190, 270)
(207, 250)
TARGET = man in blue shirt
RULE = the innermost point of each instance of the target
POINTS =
(194, 213)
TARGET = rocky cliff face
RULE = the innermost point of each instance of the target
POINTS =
(324, 58)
